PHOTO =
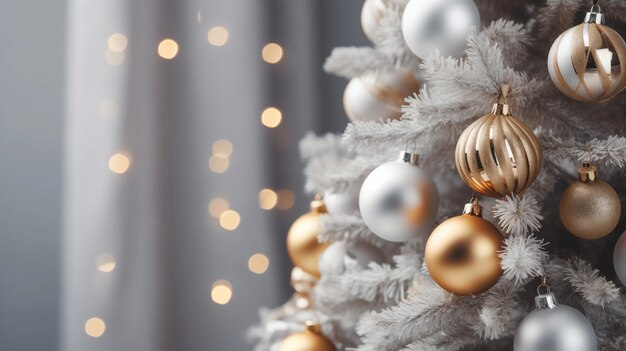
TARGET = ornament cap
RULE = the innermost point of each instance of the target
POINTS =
(473, 208)
(545, 301)
(594, 16)
(318, 206)
(587, 173)
(313, 327)
(502, 109)
(409, 157)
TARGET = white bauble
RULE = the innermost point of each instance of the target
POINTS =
(553, 327)
(372, 12)
(341, 253)
(346, 202)
(619, 258)
(442, 25)
(398, 200)
(378, 96)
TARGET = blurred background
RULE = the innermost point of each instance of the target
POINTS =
(150, 167)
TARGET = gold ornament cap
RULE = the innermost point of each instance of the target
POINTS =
(472, 208)
(587, 173)
(501, 107)
(313, 327)
(318, 206)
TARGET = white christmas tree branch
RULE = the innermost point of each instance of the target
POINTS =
(518, 215)
(523, 258)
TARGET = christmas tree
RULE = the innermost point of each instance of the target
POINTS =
(505, 232)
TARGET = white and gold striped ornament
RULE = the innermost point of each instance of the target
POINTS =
(588, 62)
(379, 96)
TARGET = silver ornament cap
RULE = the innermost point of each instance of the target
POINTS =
(398, 200)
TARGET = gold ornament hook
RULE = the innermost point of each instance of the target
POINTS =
(501, 107)
(543, 284)
(472, 208)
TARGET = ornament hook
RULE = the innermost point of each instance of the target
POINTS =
(544, 285)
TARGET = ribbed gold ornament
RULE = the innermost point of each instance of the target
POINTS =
(311, 339)
(462, 253)
(498, 155)
(590, 208)
(302, 244)
(588, 62)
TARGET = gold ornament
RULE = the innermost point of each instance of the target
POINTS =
(311, 339)
(588, 62)
(462, 253)
(302, 244)
(498, 155)
(590, 208)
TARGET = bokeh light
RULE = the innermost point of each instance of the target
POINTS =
(286, 199)
(117, 42)
(258, 263)
(223, 147)
(271, 117)
(119, 163)
(267, 199)
(95, 327)
(219, 163)
(217, 206)
(106, 263)
(272, 53)
(168, 49)
(221, 292)
(217, 36)
(230, 219)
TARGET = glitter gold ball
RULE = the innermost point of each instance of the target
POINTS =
(311, 339)
(302, 244)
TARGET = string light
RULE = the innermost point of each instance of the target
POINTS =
(221, 292)
(230, 220)
(114, 58)
(271, 117)
(272, 53)
(217, 36)
(168, 49)
(95, 327)
(108, 108)
(117, 42)
(218, 206)
(286, 199)
(267, 199)
(106, 263)
(219, 163)
(258, 263)
(223, 148)
(119, 163)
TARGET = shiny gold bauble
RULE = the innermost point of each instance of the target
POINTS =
(498, 154)
(588, 62)
(590, 208)
(302, 244)
(311, 339)
(462, 253)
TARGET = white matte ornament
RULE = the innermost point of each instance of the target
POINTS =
(371, 14)
(398, 200)
(442, 25)
(346, 202)
(340, 254)
(378, 96)
(554, 327)
(619, 259)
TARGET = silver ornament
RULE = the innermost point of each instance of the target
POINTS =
(442, 25)
(346, 202)
(398, 200)
(619, 258)
(554, 327)
(379, 96)
(353, 253)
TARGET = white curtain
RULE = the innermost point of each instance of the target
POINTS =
(141, 251)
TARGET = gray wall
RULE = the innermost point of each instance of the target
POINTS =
(31, 123)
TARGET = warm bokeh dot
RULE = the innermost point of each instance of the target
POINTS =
(95, 327)
(221, 292)
(217, 206)
(286, 199)
(168, 49)
(108, 108)
(272, 53)
(114, 58)
(230, 220)
(117, 42)
(267, 199)
(258, 263)
(217, 36)
(219, 163)
(223, 147)
(105, 263)
(119, 163)
(271, 117)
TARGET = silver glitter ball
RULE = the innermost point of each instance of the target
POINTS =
(398, 200)
(554, 327)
